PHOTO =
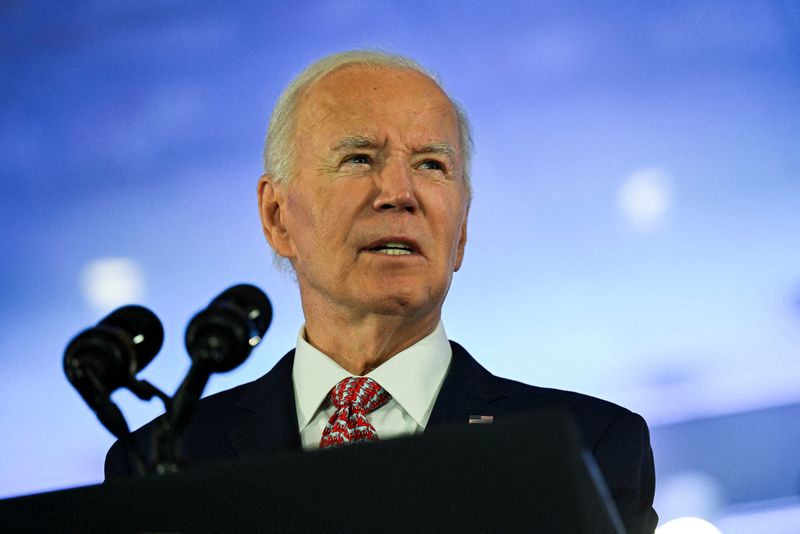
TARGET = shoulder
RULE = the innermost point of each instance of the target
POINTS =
(593, 416)
(215, 415)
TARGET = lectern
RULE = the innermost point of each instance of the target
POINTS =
(526, 475)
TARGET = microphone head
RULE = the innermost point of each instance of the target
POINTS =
(112, 352)
(141, 327)
(251, 301)
(222, 336)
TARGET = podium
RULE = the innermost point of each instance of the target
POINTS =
(525, 475)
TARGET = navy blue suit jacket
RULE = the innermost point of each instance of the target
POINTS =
(260, 417)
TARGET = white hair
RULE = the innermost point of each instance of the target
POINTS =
(279, 149)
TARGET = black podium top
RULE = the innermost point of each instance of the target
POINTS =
(528, 475)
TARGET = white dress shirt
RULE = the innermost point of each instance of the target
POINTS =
(412, 377)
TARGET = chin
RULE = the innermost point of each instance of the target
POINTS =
(404, 303)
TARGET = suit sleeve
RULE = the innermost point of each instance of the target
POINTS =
(624, 456)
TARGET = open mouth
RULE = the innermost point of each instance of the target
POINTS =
(393, 249)
(394, 245)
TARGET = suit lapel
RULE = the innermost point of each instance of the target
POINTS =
(272, 420)
(468, 389)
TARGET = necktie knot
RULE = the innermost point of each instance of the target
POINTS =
(360, 393)
(353, 398)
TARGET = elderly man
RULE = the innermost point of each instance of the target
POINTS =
(366, 194)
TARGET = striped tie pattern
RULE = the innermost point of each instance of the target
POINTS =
(353, 398)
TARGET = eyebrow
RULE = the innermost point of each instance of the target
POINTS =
(437, 148)
(353, 141)
(349, 142)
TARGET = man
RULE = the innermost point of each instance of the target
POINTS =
(366, 194)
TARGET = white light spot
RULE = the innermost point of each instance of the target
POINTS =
(108, 283)
(688, 525)
(645, 198)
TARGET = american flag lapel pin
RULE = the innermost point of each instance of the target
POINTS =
(481, 419)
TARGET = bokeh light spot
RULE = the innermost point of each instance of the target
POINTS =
(108, 283)
(688, 525)
(645, 198)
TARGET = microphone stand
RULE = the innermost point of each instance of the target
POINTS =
(111, 417)
(166, 439)
(144, 390)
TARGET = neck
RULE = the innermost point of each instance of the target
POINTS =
(361, 342)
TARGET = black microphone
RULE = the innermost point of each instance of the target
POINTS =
(218, 339)
(106, 357)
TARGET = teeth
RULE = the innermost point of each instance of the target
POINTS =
(394, 251)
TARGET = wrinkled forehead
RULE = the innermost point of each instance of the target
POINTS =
(375, 101)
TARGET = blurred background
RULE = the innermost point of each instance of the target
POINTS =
(635, 232)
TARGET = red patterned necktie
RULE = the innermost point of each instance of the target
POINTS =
(353, 398)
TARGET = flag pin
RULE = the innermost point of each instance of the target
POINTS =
(481, 419)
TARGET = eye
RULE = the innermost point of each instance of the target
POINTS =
(432, 164)
(357, 159)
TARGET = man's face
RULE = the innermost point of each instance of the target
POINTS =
(375, 215)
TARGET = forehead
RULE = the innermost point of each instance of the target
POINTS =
(379, 102)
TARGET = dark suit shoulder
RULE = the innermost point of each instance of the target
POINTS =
(516, 388)
(210, 411)
(206, 438)
(593, 415)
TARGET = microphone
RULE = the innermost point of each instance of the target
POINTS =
(218, 339)
(222, 336)
(106, 357)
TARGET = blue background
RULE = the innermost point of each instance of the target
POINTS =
(635, 232)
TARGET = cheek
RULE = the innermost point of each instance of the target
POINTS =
(301, 218)
(457, 235)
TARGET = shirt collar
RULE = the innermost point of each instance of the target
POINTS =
(412, 377)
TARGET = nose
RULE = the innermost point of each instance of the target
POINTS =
(396, 190)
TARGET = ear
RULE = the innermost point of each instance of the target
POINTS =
(271, 200)
(462, 242)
